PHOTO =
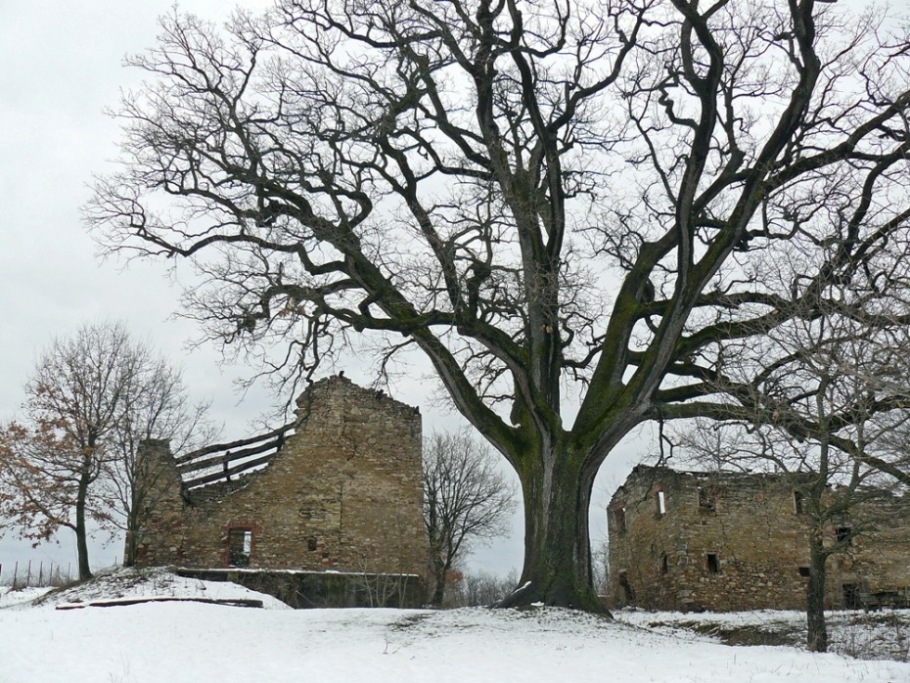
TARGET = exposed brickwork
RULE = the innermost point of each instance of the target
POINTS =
(343, 493)
(733, 541)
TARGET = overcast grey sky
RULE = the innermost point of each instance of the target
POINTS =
(62, 69)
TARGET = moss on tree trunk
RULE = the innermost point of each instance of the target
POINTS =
(557, 561)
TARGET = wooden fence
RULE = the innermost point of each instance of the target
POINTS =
(221, 462)
(34, 574)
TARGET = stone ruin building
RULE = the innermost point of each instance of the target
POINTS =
(739, 541)
(333, 499)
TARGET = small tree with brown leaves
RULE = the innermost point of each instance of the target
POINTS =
(46, 482)
(91, 400)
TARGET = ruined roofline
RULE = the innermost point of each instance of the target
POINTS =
(218, 463)
(717, 474)
(225, 464)
(341, 380)
(186, 462)
(213, 454)
(228, 474)
(653, 470)
(653, 473)
(735, 474)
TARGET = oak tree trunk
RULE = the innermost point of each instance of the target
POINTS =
(130, 548)
(557, 561)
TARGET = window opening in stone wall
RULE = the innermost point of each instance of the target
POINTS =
(804, 572)
(664, 563)
(619, 519)
(844, 535)
(713, 563)
(706, 498)
(240, 545)
(799, 502)
(311, 544)
(661, 503)
(851, 596)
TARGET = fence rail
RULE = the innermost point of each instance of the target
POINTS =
(219, 448)
(223, 461)
(33, 574)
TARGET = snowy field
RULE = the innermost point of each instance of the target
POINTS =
(864, 635)
(186, 641)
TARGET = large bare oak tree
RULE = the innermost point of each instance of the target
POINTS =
(552, 201)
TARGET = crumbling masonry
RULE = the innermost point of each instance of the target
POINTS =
(739, 541)
(339, 490)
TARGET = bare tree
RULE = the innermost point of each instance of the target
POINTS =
(601, 568)
(465, 500)
(483, 590)
(91, 399)
(156, 406)
(538, 198)
(840, 400)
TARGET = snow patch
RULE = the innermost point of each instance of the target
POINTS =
(188, 642)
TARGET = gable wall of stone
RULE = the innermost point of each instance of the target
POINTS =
(344, 493)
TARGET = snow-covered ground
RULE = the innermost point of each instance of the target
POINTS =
(186, 641)
(864, 635)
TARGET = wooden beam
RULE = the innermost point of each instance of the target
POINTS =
(218, 447)
(232, 602)
(213, 461)
(224, 474)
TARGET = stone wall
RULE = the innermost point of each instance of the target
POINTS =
(303, 589)
(729, 541)
(343, 493)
